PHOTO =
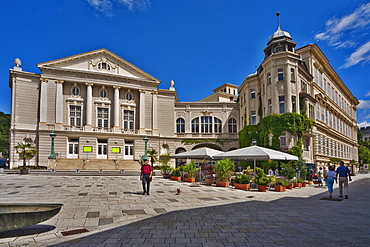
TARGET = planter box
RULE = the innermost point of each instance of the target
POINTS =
(304, 184)
(297, 185)
(176, 178)
(222, 184)
(166, 175)
(209, 181)
(280, 188)
(289, 186)
(262, 188)
(242, 186)
(190, 180)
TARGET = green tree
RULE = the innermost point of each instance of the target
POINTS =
(4, 133)
(364, 154)
(153, 156)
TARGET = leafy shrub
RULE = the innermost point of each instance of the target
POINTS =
(242, 179)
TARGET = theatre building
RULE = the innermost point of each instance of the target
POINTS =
(99, 108)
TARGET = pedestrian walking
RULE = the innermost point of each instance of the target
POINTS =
(146, 176)
(330, 177)
(320, 176)
(344, 175)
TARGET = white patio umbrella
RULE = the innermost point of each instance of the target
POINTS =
(255, 153)
(200, 153)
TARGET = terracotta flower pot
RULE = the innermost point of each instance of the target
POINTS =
(304, 184)
(191, 180)
(289, 186)
(298, 185)
(242, 186)
(262, 188)
(280, 188)
(209, 181)
(222, 184)
(176, 178)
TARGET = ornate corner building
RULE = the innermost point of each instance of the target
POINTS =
(100, 107)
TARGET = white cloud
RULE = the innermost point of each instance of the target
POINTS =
(367, 117)
(368, 94)
(364, 104)
(107, 6)
(336, 27)
(362, 54)
(363, 124)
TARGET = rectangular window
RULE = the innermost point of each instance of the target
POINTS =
(253, 118)
(281, 104)
(294, 107)
(103, 117)
(280, 74)
(283, 141)
(292, 74)
(128, 119)
(74, 115)
(253, 93)
(268, 78)
(269, 103)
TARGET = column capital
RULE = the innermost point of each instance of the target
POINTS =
(44, 79)
(59, 81)
(116, 87)
(142, 91)
(89, 84)
(155, 92)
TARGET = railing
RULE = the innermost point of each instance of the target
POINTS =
(103, 130)
(73, 128)
(129, 131)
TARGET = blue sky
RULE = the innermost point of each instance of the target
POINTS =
(200, 44)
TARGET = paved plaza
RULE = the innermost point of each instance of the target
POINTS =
(115, 213)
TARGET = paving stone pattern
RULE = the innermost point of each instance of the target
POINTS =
(115, 213)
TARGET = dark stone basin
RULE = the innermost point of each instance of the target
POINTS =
(18, 215)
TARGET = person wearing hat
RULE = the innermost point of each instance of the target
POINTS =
(146, 176)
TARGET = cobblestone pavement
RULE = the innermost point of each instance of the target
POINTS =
(115, 213)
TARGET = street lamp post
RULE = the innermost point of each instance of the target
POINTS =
(146, 139)
(52, 152)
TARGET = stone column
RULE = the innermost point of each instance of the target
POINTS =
(288, 90)
(59, 104)
(43, 100)
(89, 102)
(116, 109)
(155, 112)
(142, 112)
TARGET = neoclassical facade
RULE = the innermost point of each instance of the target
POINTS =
(100, 107)
(302, 81)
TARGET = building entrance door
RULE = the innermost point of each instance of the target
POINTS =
(129, 151)
(73, 149)
(102, 151)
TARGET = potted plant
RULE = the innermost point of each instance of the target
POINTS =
(165, 170)
(26, 151)
(209, 174)
(280, 184)
(262, 180)
(190, 170)
(242, 181)
(176, 175)
(223, 170)
(289, 172)
(298, 182)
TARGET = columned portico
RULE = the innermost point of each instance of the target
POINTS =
(59, 105)
(89, 102)
(155, 113)
(142, 112)
(43, 100)
(116, 127)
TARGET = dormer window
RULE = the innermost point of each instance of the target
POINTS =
(103, 65)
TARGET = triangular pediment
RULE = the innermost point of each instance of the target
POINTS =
(101, 62)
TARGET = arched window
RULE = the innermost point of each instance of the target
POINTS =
(206, 124)
(195, 125)
(180, 125)
(232, 125)
(218, 125)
